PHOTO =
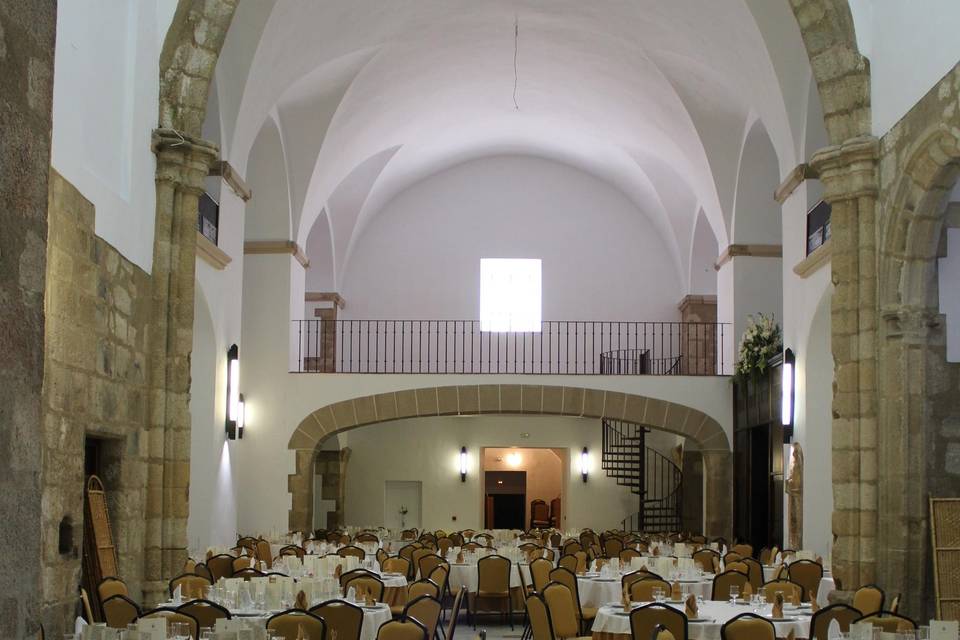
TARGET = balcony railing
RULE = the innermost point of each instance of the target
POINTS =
(560, 348)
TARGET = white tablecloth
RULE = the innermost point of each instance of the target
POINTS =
(372, 619)
(596, 591)
(614, 621)
(467, 575)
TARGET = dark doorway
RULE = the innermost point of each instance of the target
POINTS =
(506, 498)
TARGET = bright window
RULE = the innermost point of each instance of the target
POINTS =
(509, 294)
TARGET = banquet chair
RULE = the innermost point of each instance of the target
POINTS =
(427, 537)
(651, 618)
(408, 534)
(207, 613)
(191, 586)
(612, 547)
(723, 581)
(291, 622)
(541, 628)
(247, 541)
(221, 566)
(441, 576)
(349, 575)
(471, 546)
(792, 591)
(406, 551)
(642, 589)
(292, 550)
(248, 573)
(424, 587)
(426, 610)
(493, 583)
(807, 573)
(627, 580)
(560, 606)
(581, 557)
(820, 622)
(172, 615)
(263, 553)
(754, 572)
(889, 622)
(203, 570)
(540, 573)
(366, 537)
(745, 550)
(444, 544)
(485, 538)
(427, 562)
(403, 629)
(566, 577)
(748, 626)
(539, 514)
(119, 611)
(704, 557)
(455, 613)
(732, 556)
(342, 618)
(868, 599)
(396, 564)
(628, 554)
(568, 561)
(368, 582)
(571, 546)
(555, 539)
(111, 586)
(765, 557)
(240, 563)
(381, 556)
(740, 566)
(457, 538)
(351, 550)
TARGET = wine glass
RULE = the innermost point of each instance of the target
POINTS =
(179, 630)
(206, 633)
(734, 593)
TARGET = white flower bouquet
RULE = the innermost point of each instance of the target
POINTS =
(761, 341)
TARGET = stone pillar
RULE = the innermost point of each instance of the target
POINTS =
(717, 494)
(182, 165)
(849, 176)
(698, 343)
(27, 34)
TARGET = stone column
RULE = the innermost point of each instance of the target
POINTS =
(849, 176)
(182, 165)
(698, 342)
(717, 495)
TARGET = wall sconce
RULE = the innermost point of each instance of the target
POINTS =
(584, 464)
(787, 395)
(463, 464)
(241, 417)
(233, 391)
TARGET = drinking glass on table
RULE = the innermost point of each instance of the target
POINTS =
(206, 633)
(923, 632)
(179, 631)
(734, 593)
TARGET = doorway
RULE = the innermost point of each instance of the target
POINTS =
(505, 499)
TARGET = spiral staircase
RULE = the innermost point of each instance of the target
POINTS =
(653, 477)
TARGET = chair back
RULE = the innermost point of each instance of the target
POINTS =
(246, 574)
(740, 566)
(748, 626)
(868, 599)
(540, 573)
(642, 590)
(201, 569)
(396, 564)
(240, 563)
(369, 583)
(343, 618)
(612, 547)
(571, 546)
(366, 537)
(406, 551)
(628, 554)
(568, 561)
(792, 591)
(111, 586)
(221, 566)
(455, 613)
(807, 573)
(404, 629)
(754, 572)
(440, 575)
(172, 615)
(539, 616)
(539, 514)
(191, 586)
(426, 610)
(425, 587)
(651, 619)
(569, 580)
(263, 553)
(289, 624)
(493, 575)
(351, 550)
(704, 557)
(207, 613)
(350, 575)
(119, 611)
(444, 544)
(723, 581)
(745, 550)
(562, 611)
(820, 622)
(889, 622)
(428, 562)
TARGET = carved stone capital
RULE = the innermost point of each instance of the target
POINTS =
(183, 160)
(911, 324)
(848, 170)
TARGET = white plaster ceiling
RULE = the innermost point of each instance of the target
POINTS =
(653, 96)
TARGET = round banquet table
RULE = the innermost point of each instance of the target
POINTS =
(596, 591)
(612, 624)
(373, 617)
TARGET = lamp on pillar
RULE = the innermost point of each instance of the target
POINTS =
(584, 464)
(463, 464)
(233, 391)
(241, 417)
(787, 395)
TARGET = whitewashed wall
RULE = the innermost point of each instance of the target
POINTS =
(602, 257)
(911, 45)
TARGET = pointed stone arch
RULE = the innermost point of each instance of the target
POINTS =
(515, 399)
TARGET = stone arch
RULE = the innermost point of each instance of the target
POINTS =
(515, 399)
(841, 73)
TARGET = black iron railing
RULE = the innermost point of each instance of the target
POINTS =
(559, 348)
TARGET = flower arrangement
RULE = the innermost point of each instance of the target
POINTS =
(761, 341)
(403, 511)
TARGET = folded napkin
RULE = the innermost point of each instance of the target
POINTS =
(777, 606)
(656, 551)
(833, 630)
(795, 599)
(352, 594)
(301, 635)
(178, 594)
(78, 626)
(675, 592)
(301, 602)
(791, 635)
(814, 605)
(338, 571)
(690, 608)
(253, 562)
(460, 558)
(747, 590)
